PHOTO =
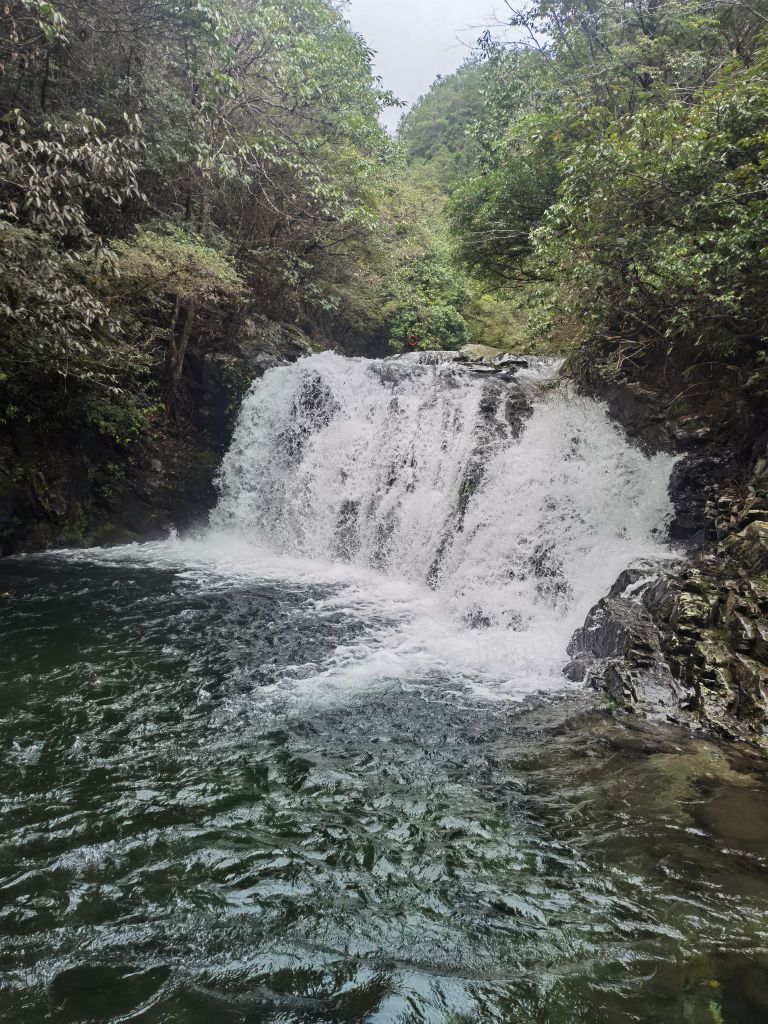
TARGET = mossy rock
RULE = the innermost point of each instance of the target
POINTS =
(484, 353)
(749, 547)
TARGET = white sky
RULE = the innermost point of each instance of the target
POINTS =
(416, 40)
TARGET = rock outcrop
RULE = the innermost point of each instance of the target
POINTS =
(73, 484)
(688, 641)
(696, 651)
(619, 650)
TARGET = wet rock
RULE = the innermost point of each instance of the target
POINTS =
(760, 647)
(751, 687)
(619, 650)
(749, 547)
(487, 360)
(509, 360)
(742, 632)
(711, 616)
(517, 408)
(481, 353)
(688, 645)
(634, 405)
(637, 736)
(754, 509)
(427, 357)
(691, 484)
(263, 343)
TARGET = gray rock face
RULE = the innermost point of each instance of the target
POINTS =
(651, 419)
(710, 615)
(619, 650)
(683, 642)
(694, 479)
(264, 344)
(749, 547)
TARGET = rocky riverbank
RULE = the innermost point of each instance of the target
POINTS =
(688, 641)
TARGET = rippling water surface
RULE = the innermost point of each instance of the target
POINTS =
(200, 824)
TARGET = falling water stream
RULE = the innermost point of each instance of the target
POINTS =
(319, 762)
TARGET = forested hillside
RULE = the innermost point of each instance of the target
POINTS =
(437, 132)
(441, 150)
(624, 165)
(182, 184)
(170, 169)
(193, 191)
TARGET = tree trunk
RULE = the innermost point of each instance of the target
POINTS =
(236, 323)
(176, 362)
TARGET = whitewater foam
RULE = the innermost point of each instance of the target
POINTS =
(513, 506)
(470, 522)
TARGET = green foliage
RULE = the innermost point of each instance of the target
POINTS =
(171, 261)
(423, 322)
(49, 178)
(426, 313)
(623, 169)
(166, 170)
(405, 285)
(660, 226)
(494, 212)
(124, 418)
(442, 145)
(435, 132)
(516, 319)
(52, 319)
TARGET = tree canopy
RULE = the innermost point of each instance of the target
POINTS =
(248, 126)
(172, 167)
(623, 167)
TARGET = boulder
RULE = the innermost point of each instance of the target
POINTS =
(619, 651)
(481, 353)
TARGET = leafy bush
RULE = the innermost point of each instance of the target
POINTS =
(169, 261)
(624, 168)
(428, 325)
(660, 226)
(58, 176)
(53, 321)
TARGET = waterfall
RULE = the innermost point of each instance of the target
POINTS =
(508, 503)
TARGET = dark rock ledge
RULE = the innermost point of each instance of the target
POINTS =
(687, 641)
(68, 484)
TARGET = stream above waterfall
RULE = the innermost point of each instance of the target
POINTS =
(319, 763)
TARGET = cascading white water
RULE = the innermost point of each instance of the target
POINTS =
(510, 507)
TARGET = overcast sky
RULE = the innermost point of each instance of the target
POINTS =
(416, 40)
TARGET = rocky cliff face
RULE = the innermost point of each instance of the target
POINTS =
(688, 641)
(65, 483)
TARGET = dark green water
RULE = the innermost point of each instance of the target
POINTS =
(188, 835)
